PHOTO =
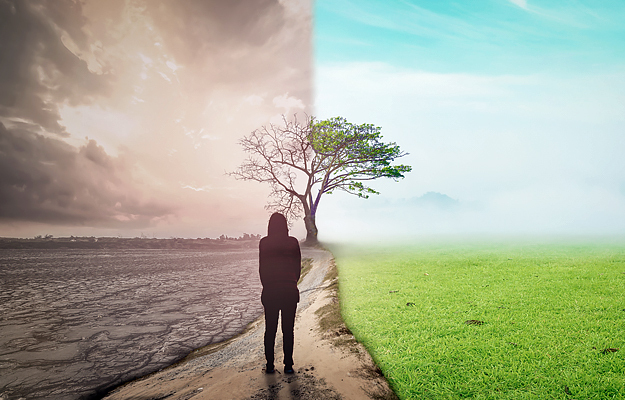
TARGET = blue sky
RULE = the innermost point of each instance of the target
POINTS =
(513, 108)
(483, 37)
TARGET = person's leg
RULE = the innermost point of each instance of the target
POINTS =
(271, 327)
(288, 322)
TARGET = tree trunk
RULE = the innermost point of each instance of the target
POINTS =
(311, 230)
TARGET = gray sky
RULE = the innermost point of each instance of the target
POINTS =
(121, 117)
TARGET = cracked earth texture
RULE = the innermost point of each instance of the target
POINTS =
(74, 323)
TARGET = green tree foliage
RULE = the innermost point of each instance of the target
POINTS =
(326, 156)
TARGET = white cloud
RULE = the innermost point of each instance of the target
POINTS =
(147, 61)
(197, 189)
(520, 3)
(165, 77)
(110, 128)
(288, 102)
(172, 65)
(254, 100)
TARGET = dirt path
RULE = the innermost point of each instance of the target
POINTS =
(234, 369)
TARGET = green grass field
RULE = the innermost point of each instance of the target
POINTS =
(549, 312)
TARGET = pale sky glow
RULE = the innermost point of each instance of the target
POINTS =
(515, 117)
(121, 117)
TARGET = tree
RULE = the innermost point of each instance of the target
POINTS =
(325, 155)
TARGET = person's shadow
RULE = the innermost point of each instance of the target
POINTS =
(273, 386)
(294, 388)
(275, 383)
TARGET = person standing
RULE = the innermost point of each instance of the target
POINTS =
(280, 265)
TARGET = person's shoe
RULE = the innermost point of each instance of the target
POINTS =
(288, 369)
(269, 369)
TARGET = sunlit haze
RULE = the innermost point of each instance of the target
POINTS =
(122, 117)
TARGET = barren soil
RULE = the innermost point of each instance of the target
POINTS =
(329, 364)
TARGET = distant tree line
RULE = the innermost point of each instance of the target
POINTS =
(91, 242)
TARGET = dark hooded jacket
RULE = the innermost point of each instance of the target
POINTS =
(280, 264)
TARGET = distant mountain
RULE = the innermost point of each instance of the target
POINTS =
(434, 199)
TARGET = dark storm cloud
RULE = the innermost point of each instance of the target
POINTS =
(238, 42)
(142, 55)
(252, 47)
(44, 179)
(37, 71)
(200, 27)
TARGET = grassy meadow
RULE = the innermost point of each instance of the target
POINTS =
(487, 320)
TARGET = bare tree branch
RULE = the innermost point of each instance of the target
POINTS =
(330, 155)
